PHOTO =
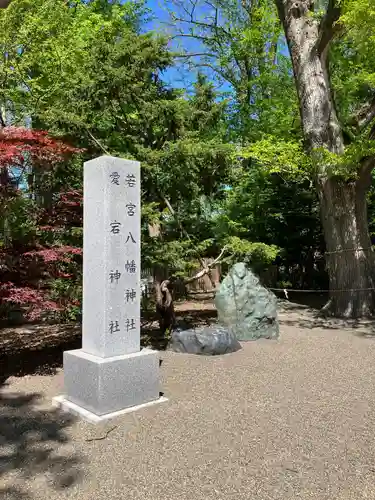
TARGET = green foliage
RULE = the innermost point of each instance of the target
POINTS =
(47, 44)
(20, 218)
(242, 46)
(233, 169)
(257, 255)
(278, 155)
(352, 60)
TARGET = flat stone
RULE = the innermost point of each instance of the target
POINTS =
(246, 307)
(209, 341)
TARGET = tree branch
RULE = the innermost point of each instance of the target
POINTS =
(193, 54)
(365, 115)
(206, 269)
(190, 35)
(365, 171)
(98, 143)
(225, 76)
(327, 29)
(201, 24)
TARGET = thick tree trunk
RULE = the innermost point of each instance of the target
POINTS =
(349, 255)
(350, 258)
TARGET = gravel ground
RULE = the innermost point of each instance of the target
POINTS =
(287, 419)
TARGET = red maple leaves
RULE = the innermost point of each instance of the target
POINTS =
(28, 271)
(19, 144)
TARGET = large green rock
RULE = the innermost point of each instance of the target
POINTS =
(245, 306)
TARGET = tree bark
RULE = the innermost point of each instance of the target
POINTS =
(164, 305)
(349, 258)
(349, 254)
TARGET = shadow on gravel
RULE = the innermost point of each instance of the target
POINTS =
(189, 318)
(43, 361)
(300, 301)
(308, 318)
(38, 349)
(29, 441)
(356, 327)
(303, 310)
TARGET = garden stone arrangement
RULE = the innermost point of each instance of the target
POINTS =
(246, 311)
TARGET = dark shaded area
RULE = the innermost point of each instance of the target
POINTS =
(184, 320)
(312, 300)
(308, 317)
(38, 349)
(358, 327)
(196, 317)
(43, 361)
(29, 438)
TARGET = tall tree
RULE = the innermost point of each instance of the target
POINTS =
(85, 70)
(239, 44)
(342, 166)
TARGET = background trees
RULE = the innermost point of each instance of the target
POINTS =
(230, 163)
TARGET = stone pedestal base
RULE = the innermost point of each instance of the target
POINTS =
(101, 388)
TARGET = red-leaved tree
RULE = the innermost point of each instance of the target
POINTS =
(40, 236)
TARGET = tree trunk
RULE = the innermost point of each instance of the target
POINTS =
(349, 255)
(343, 202)
(164, 306)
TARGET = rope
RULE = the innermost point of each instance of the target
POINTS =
(286, 290)
(321, 291)
(348, 250)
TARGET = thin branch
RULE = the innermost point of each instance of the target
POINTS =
(202, 25)
(326, 28)
(217, 260)
(230, 79)
(193, 54)
(189, 35)
(365, 115)
(206, 269)
(98, 143)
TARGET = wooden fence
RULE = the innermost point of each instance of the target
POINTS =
(200, 288)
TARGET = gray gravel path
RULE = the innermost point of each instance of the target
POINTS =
(287, 419)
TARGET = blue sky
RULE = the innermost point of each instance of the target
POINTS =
(179, 76)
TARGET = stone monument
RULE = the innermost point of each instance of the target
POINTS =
(110, 375)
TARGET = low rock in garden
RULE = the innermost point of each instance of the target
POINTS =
(208, 340)
(246, 307)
